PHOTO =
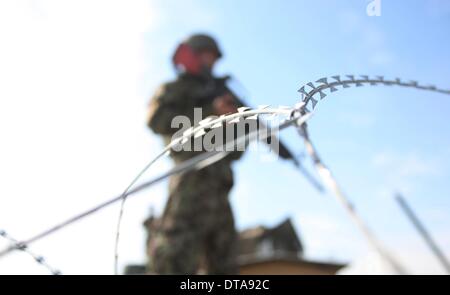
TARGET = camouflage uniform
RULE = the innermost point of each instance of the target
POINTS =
(197, 227)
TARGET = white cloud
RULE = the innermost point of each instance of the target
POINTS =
(329, 238)
(367, 35)
(72, 120)
(369, 264)
(187, 13)
(403, 170)
(414, 257)
(357, 120)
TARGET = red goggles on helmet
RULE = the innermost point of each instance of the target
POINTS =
(186, 60)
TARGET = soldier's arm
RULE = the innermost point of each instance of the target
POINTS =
(171, 100)
(163, 107)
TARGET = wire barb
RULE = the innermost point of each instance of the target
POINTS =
(39, 259)
(298, 115)
(352, 80)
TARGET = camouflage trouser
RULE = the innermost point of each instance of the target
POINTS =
(197, 228)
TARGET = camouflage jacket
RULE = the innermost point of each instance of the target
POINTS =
(180, 97)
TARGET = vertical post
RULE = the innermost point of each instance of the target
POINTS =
(423, 232)
(331, 183)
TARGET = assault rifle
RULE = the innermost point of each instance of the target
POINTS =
(217, 87)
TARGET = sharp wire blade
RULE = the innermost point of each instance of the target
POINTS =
(322, 95)
(199, 133)
(314, 102)
(337, 78)
(243, 109)
(323, 81)
(302, 90)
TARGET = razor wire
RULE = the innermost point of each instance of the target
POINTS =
(39, 259)
(188, 165)
(298, 115)
(325, 174)
(322, 170)
(197, 132)
(325, 84)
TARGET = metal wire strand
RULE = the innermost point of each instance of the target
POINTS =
(332, 83)
(330, 181)
(193, 163)
(243, 112)
(37, 258)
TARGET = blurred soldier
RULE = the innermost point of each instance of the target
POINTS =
(197, 227)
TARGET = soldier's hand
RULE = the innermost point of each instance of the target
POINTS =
(224, 104)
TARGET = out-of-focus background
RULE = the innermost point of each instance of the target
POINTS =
(76, 78)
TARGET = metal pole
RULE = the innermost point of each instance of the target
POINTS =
(423, 232)
(334, 187)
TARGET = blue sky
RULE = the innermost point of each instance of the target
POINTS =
(376, 140)
(94, 64)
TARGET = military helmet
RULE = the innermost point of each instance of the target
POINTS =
(200, 42)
